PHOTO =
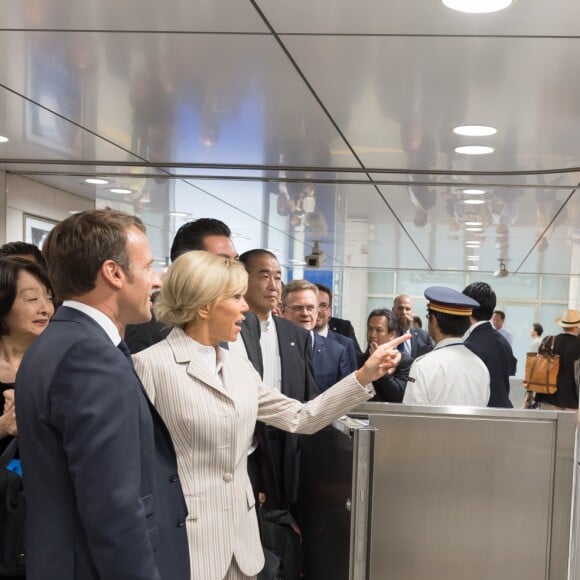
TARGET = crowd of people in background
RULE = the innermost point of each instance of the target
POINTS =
(155, 464)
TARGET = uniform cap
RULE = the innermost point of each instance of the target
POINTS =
(449, 301)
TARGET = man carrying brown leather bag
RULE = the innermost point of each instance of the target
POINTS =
(567, 346)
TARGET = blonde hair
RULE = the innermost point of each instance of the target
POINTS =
(196, 279)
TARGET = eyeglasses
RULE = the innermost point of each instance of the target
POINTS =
(297, 308)
(323, 306)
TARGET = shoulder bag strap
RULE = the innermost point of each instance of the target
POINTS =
(9, 453)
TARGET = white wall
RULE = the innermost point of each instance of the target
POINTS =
(25, 196)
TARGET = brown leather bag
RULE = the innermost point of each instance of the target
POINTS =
(542, 368)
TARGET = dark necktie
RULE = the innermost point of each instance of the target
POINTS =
(122, 346)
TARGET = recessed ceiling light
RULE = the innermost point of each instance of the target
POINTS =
(475, 130)
(95, 181)
(473, 258)
(472, 267)
(474, 191)
(474, 150)
(474, 201)
(122, 190)
(472, 223)
(473, 229)
(477, 6)
(4, 139)
(472, 244)
(179, 214)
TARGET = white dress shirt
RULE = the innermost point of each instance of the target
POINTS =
(271, 354)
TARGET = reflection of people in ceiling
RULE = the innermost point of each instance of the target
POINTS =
(548, 205)
(421, 153)
(299, 199)
(152, 114)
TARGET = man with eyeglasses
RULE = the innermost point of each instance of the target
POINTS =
(329, 358)
(322, 326)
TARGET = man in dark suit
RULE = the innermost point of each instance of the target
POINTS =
(420, 343)
(322, 327)
(102, 492)
(203, 234)
(330, 360)
(345, 328)
(287, 357)
(489, 345)
(382, 327)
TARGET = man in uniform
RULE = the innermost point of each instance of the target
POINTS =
(450, 374)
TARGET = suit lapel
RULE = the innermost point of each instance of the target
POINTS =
(184, 352)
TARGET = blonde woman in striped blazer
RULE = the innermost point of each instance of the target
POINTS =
(210, 399)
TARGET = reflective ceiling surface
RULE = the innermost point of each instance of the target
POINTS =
(239, 99)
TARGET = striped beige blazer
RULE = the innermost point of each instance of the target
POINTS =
(211, 425)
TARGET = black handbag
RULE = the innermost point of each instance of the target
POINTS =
(12, 515)
(277, 529)
(272, 563)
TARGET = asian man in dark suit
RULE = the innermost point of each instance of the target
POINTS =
(489, 345)
(102, 492)
(287, 356)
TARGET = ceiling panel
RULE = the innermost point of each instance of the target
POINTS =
(179, 98)
(524, 17)
(397, 100)
(131, 15)
(350, 103)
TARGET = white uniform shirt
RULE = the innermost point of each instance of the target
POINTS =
(448, 375)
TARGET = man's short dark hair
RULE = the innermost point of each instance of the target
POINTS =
(538, 328)
(323, 288)
(483, 293)
(76, 248)
(190, 236)
(246, 257)
(23, 249)
(451, 325)
(389, 315)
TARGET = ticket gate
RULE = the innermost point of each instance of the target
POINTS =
(410, 493)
